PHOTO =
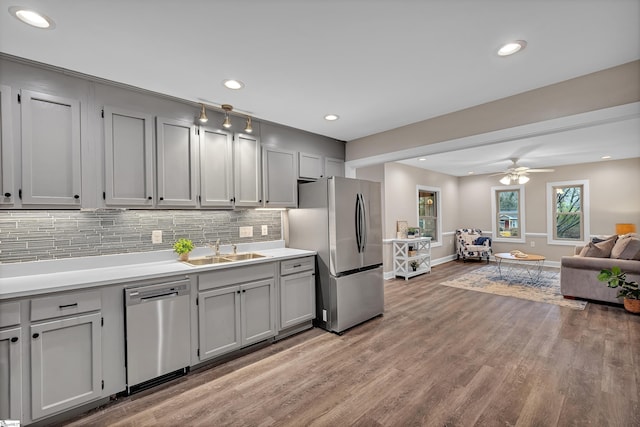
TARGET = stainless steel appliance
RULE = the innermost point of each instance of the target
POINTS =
(341, 219)
(158, 331)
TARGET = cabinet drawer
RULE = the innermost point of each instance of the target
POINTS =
(9, 314)
(297, 265)
(65, 304)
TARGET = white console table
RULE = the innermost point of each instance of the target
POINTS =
(402, 260)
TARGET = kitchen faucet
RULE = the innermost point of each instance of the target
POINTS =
(235, 248)
(215, 247)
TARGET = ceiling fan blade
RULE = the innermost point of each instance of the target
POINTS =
(541, 170)
(520, 168)
(499, 173)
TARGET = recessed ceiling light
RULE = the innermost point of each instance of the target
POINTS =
(31, 17)
(233, 84)
(470, 173)
(331, 117)
(512, 47)
(422, 159)
(606, 157)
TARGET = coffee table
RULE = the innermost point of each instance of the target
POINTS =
(515, 268)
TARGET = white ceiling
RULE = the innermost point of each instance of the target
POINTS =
(378, 64)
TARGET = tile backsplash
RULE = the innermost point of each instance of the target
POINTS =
(41, 235)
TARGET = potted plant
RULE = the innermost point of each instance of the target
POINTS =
(414, 265)
(182, 247)
(628, 290)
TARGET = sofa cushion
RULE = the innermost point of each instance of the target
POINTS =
(626, 248)
(599, 250)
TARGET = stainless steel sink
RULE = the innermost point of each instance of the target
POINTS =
(207, 260)
(242, 257)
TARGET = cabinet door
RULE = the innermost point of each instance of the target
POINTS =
(246, 171)
(297, 298)
(219, 321)
(310, 166)
(333, 167)
(7, 195)
(128, 158)
(10, 374)
(50, 150)
(176, 162)
(66, 364)
(216, 168)
(280, 183)
(258, 311)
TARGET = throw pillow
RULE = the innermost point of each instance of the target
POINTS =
(626, 248)
(599, 250)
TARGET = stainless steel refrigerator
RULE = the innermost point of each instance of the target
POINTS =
(341, 219)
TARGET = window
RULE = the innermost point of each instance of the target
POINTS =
(429, 213)
(507, 209)
(567, 212)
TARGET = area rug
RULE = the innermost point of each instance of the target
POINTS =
(487, 279)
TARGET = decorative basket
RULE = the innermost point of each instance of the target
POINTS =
(632, 305)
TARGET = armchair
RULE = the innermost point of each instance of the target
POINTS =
(471, 244)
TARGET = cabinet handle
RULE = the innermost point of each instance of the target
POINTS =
(14, 339)
(244, 290)
(297, 265)
(150, 198)
(231, 200)
(161, 198)
(36, 335)
(77, 196)
(260, 201)
(62, 307)
(267, 201)
(238, 291)
(7, 194)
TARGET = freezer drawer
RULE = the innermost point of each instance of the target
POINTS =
(355, 298)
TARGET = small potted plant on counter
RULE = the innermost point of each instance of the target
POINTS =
(182, 247)
(628, 290)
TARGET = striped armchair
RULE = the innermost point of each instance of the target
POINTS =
(471, 244)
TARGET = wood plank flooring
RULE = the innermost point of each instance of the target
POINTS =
(439, 356)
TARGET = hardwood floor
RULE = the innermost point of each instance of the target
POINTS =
(439, 356)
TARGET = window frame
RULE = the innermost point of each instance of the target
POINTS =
(551, 210)
(438, 198)
(495, 222)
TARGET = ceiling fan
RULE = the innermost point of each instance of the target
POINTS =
(517, 174)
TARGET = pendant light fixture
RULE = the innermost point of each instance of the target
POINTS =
(227, 121)
(248, 128)
(203, 115)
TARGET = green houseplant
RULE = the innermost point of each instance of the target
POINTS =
(630, 291)
(182, 247)
(414, 265)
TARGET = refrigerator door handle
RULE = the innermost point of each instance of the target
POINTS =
(358, 237)
(364, 232)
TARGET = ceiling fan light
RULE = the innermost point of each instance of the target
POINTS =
(522, 179)
(506, 180)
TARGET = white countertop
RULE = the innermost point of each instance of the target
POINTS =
(40, 277)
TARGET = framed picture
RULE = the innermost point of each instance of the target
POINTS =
(401, 229)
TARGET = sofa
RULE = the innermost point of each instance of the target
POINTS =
(470, 243)
(579, 273)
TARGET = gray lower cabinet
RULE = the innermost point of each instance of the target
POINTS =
(297, 292)
(236, 308)
(50, 136)
(66, 363)
(10, 374)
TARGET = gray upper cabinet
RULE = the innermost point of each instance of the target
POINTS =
(50, 150)
(216, 168)
(128, 158)
(333, 167)
(176, 160)
(309, 166)
(280, 184)
(246, 171)
(6, 148)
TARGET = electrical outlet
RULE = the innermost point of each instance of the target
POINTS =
(533, 244)
(156, 236)
(265, 230)
(246, 231)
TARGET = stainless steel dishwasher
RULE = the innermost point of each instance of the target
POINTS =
(158, 332)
